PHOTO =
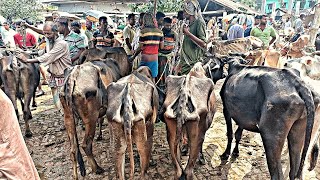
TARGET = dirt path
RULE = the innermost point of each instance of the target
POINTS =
(50, 150)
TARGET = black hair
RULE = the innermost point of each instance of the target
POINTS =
(174, 17)
(180, 15)
(167, 20)
(258, 17)
(131, 16)
(141, 15)
(160, 15)
(263, 16)
(103, 18)
(75, 24)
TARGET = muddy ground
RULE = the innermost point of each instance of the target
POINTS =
(49, 149)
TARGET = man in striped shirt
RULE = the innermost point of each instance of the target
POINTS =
(103, 36)
(151, 38)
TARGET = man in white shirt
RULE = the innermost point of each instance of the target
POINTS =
(7, 35)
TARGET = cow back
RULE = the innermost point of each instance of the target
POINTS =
(241, 45)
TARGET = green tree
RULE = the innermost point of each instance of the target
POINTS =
(162, 5)
(15, 9)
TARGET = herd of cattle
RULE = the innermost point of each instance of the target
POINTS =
(278, 103)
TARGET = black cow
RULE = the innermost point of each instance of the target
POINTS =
(20, 81)
(275, 103)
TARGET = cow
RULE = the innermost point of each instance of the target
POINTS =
(309, 70)
(83, 96)
(275, 103)
(20, 81)
(132, 106)
(270, 58)
(240, 45)
(295, 49)
(189, 104)
(308, 67)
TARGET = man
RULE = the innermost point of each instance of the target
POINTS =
(7, 35)
(160, 17)
(166, 53)
(194, 43)
(55, 17)
(74, 40)
(135, 41)
(23, 39)
(103, 37)
(57, 57)
(298, 24)
(235, 31)
(151, 39)
(264, 33)
(287, 24)
(76, 28)
(16, 162)
(257, 20)
(128, 35)
(89, 34)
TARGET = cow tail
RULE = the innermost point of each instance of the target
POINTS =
(307, 97)
(181, 114)
(70, 103)
(127, 124)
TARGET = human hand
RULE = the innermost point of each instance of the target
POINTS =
(185, 29)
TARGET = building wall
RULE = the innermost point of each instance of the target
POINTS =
(101, 6)
(304, 4)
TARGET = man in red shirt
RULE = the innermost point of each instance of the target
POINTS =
(23, 39)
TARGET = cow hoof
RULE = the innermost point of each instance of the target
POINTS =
(99, 138)
(99, 170)
(28, 134)
(202, 161)
(224, 156)
(235, 154)
(183, 176)
(184, 150)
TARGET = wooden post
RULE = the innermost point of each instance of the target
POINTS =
(314, 28)
(155, 7)
(263, 7)
(290, 7)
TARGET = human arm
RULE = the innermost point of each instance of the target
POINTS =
(37, 30)
(201, 35)
(126, 36)
(273, 34)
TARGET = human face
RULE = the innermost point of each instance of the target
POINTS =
(160, 21)
(257, 21)
(132, 21)
(89, 25)
(6, 26)
(174, 20)
(49, 34)
(55, 17)
(103, 25)
(61, 28)
(186, 15)
(167, 26)
(263, 20)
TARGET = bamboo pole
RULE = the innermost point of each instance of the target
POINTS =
(155, 7)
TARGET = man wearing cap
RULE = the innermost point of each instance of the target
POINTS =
(74, 40)
(57, 57)
(194, 43)
(264, 33)
(103, 36)
(298, 24)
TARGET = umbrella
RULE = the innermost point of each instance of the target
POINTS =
(229, 17)
(94, 15)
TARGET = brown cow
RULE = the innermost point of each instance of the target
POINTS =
(83, 96)
(20, 81)
(131, 111)
(190, 104)
(271, 58)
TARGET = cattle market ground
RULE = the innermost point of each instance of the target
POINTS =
(49, 149)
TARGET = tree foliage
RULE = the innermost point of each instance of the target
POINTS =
(19, 9)
(162, 6)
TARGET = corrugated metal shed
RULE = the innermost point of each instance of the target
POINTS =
(237, 7)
